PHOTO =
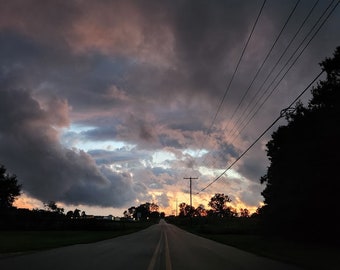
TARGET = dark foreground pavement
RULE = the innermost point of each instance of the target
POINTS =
(162, 246)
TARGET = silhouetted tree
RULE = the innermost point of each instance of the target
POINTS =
(154, 207)
(183, 209)
(190, 210)
(302, 181)
(154, 214)
(200, 211)
(126, 214)
(52, 206)
(9, 188)
(76, 213)
(143, 211)
(154, 211)
(182, 212)
(130, 213)
(69, 214)
(244, 212)
(218, 203)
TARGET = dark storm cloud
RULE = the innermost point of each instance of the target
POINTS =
(116, 193)
(205, 38)
(29, 146)
(254, 164)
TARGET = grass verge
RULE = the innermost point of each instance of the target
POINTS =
(305, 255)
(22, 241)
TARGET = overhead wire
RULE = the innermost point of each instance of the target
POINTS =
(278, 118)
(262, 134)
(243, 122)
(264, 61)
(234, 73)
(232, 77)
(269, 52)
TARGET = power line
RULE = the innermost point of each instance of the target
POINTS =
(266, 58)
(262, 134)
(277, 62)
(264, 61)
(234, 73)
(278, 74)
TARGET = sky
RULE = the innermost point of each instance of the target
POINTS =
(106, 105)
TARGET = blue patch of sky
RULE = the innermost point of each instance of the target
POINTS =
(195, 153)
(161, 157)
(72, 137)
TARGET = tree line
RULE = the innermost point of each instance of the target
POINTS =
(218, 208)
(145, 211)
(302, 182)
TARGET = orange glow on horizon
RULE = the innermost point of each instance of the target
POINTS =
(177, 198)
(27, 202)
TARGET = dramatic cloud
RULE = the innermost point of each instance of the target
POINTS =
(113, 103)
(29, 143)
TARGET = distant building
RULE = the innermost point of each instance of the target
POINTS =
(109, 217)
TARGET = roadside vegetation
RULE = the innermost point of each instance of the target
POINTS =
(28, 241)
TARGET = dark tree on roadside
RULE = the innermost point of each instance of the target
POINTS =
(218, 203)
(130, 213)
(182, 211)
(76, 213)
(185, 210)
(143, 212)
(52, 206)
(200, 211)
(302, 181)
(154, 215)
(153, 207)
(9, 188)
(190, 210)
(69, 214)
(244, 212)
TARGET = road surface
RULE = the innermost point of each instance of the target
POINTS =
(162, 246)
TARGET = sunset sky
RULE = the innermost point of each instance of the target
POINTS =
(109, 104)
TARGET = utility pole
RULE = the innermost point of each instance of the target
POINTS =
(176, 207)
(190, 178)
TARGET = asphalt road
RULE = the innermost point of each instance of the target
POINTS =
(162, 246)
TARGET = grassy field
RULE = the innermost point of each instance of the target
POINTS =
(307, 256)
(22, 241)
(244, 234)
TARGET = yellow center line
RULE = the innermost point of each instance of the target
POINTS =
(163, 238)
(167, 253)
(155, 254)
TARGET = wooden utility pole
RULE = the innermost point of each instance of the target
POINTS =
(190, 178)
(176, 207)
